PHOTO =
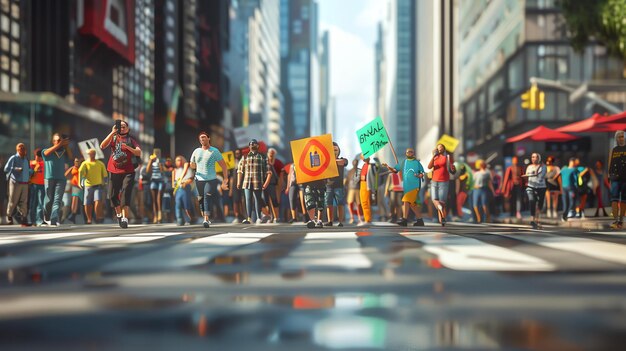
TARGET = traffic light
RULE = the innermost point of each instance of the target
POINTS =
(534, 99)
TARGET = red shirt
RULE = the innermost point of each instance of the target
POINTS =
(396, 182)
(126, 167)
(37, 177)
(440, 169)
(364, 170)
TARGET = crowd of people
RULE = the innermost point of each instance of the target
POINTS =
(56, 187)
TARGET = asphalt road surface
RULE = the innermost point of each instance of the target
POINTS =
(286, 287)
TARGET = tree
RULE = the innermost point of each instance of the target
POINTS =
(601, 20)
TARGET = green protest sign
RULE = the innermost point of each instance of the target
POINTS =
(372, 137)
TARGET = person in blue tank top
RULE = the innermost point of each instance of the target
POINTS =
(567, 177)
(412, 175)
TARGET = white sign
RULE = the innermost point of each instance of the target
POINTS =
(91, 144)
(244, 134)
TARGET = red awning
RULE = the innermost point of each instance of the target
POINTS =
(542, 133)
(596, 123)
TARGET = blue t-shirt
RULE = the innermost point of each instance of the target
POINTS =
(409, 169)
(54, 164)
(568, 177)
(205, 161)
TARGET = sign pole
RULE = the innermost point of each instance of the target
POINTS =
(393, 151)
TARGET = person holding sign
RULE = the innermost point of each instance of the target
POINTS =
(203, 161)
(412, 175)
(368, 185)
(442, 165)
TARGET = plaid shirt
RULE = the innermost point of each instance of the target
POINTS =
(254, 168)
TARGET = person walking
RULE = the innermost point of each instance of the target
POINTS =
(92, 176)
(512, 187)
(55, 158)
(617, 176)
(463, 189)
(583, 176)
(335, 196)
(602, 182)
(442, 164)
(292, 192)
(18, 172)
(270, 195)
(203, 161)
(354, 198)
(552, 186)
(483, 190)
(37, 189)
(157, 184)
(536, 189)
(394, 191)
(412, 174)
(254, 176)
(567, 179)
(235, 193)
(121, 169)
(367, 187)
(182, 178)
(76, 191)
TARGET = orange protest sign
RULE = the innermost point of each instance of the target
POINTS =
(314, 158)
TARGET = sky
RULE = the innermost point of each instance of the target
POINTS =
(352, 30)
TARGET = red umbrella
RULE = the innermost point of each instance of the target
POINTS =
(542, 133)
(581, 126)
(616, 118)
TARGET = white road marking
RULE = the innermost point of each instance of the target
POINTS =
(34, 237)
(195, 252)
(602, 250)
(327, 250)
(468, 254)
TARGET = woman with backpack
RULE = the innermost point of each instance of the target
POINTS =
(442, 164)
(121, 168)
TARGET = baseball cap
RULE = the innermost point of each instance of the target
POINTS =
(253, 141)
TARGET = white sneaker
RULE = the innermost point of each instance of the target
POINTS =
(236, 221)
(319, 224)
(259, 221)
(275, 220)
(360, 224)
(123, 223)
(265, 219)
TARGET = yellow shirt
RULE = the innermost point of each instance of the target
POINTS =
(93, 172)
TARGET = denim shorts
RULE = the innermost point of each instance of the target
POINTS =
(335, 197)
(158, 185)
(618, 191)
(439, 190)
(92, 193)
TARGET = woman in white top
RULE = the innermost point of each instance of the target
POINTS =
(536, 189)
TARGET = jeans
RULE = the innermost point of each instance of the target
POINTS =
(569, 200)
(183, 202)
(207, 189)
(536, 196)
(54, 196)
(254, 202)
(37, 196)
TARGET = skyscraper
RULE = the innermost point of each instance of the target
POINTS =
(300, 67)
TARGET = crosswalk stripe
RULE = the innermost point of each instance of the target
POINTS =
(602, 250)
(468, 254)
(195, 252)
(37, 257)
(123, 240)
(34, 237)
(327, 250)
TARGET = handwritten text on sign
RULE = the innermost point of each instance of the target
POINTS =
(372, 137)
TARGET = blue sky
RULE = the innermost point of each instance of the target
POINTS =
(352, 26)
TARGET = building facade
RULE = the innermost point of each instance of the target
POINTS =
(81, 64)
(517, 41)
(300, 67)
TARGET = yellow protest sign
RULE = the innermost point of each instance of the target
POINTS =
(229, 158)
(314, 158)
(449, 142)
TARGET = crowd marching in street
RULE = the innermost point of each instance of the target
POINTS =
(56, 187)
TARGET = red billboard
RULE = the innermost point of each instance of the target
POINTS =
(112, 22)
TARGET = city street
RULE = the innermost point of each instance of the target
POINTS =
(286, 287)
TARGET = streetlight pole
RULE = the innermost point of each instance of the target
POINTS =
(576, 93)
